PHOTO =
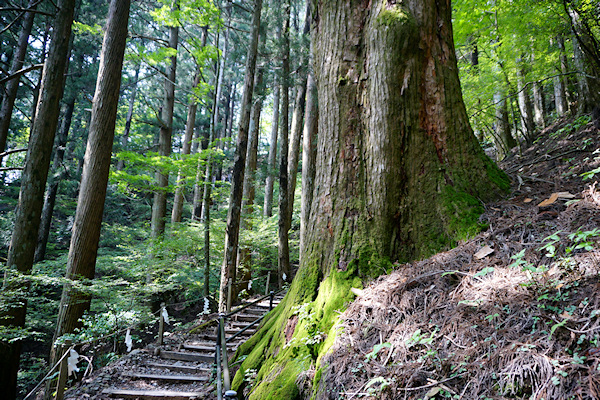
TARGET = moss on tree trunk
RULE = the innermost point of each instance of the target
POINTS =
(400, 174)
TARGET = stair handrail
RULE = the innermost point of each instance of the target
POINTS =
(221, 359)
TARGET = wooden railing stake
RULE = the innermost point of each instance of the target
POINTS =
(63, 372)
(161, 325)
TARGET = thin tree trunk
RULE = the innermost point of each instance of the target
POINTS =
(54, 180)
(560, 96)
(81, 262)
(309, 139)
(36, 89)
(295, 140)
(129, 118)
(187, 146)
(272, 157)
(31, 197)
(244, 258)
(504, 138)
(525, 105)
(10, 90)
(283, 273)
(237, 181)
(220, 134)
(159, 206)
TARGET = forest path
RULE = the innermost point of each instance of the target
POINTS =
(182, 368)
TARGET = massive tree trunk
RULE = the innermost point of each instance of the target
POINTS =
(399, 172)
(159, 206)
(31, 196)
(237, 181)
(283, 273)
(81, 262)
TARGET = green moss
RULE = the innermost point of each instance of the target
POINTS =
(497, 176)
(462, 212)
(278, 365)
(394, 16)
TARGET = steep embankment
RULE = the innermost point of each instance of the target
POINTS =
(511, 313)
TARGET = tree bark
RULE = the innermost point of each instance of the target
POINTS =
(235, 199)
(159, 206)
(283, 273)
(81, 262)
(31, 196)
(10, 90)
(538, 106)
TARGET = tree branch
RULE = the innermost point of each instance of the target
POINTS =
(21, 72)
(2, 155)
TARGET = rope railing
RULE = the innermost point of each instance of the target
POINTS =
(222, 361)
(160, 313)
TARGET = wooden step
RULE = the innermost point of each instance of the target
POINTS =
(249, 332)
(180, 368)
(245, 317)
(152, 394)
(162, 377)
(197, 347)
(177, 355)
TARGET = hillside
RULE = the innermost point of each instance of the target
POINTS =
(510, 313)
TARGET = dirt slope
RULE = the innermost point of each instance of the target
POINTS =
(498, 316)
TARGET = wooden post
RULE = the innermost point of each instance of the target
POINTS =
(161, 325)
(63, 372)
(229, 295)
(268, 281)
(271, 295)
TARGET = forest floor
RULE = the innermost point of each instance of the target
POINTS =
(511, 313)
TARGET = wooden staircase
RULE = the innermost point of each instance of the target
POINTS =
(180, 369)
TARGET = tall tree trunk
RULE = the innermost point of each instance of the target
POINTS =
(504, 138)
(525, 105)
(10, 90)
(272, 157)
(56, 177)
(159, 206)
(399, 171)
(129, 118)
(237, 181)
(220, 134)
(560, 95)
(585, 97)
(31, 196)
(244, 258)
(283, 273)
(187, 147)
(538, 106)
(309, 147)
(81, 262)
(294, 148)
